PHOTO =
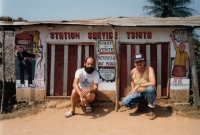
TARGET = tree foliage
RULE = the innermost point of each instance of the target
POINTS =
(175, 8)
(8, 18)
(169, 8)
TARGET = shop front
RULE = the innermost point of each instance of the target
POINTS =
(62, 47)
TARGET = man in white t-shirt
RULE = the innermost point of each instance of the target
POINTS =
(85, 85)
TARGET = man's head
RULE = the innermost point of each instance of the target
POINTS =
(139, 60)
(89, 65)
(182, 47)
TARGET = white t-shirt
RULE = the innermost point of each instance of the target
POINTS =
(86, 80)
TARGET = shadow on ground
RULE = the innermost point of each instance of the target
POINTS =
(97, 112)
(160, 111)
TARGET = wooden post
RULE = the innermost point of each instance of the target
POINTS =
(116, 69)
(3, 72)
(193, 68)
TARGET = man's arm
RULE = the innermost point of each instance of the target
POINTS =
(186, 65)
(174, 42)
(26, 54)
(81, 92)
(94, 89)
(76, 86)
(133, 87)
(91, 90)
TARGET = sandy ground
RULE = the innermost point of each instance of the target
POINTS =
(102, 121)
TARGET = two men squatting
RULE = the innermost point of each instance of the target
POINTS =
(142, 86)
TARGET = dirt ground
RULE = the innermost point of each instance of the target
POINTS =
(102, 121)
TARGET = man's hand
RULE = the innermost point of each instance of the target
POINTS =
(83, 93)
(37, 55)
(172, 36)
(134, 90)
(83, 101)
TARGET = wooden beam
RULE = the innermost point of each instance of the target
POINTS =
(65, 77)
(3, 73)
(193, 68)
(129, 62)
(52, 70)
(159, 75)
(116, 70)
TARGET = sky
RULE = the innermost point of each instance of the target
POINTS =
(49, 10)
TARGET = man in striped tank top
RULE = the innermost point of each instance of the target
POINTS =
(142, 86)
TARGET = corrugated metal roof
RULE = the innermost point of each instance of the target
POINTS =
(193, 21)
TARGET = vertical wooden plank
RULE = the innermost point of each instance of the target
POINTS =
(148, 56)
(52, 70)
(48, 68)
(153, 59)
(59, 70)
(143, 50)
(65, 70)
(86, 51)
(128, 67)
(72, 66)
(83, 55)
(79, 57)
(159, 73)
(164, 67)
(137, 49)
(95, 54)
(133, 52)
(91, 51)
(123, 71)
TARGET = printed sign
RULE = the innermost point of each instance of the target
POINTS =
(106, 60)
(107, 74)
(106, 47)
(180, 35)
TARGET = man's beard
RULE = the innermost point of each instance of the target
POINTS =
(89, 70)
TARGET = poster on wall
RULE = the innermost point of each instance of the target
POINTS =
(106, 60)
(29, 60)
(180, 60)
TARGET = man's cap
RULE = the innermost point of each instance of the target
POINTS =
(138, 57)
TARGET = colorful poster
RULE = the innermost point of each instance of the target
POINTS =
(29, 59)
(180, 62)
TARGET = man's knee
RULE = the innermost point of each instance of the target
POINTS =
(151, 89)
(91, 97)
(126, 101)
(74, 93)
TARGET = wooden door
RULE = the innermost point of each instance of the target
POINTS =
(157, 56)
(62, 62)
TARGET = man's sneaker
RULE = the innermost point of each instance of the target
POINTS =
(22, 85)
(31, 85)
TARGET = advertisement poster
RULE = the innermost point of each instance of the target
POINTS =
(106, 60)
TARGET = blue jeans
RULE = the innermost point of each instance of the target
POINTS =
(132, 100)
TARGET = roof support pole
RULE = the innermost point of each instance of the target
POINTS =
(193, 68)
(116, 69)
(3, 72)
